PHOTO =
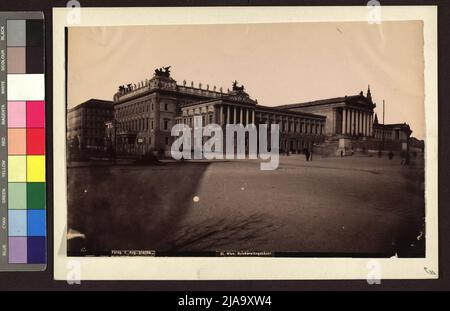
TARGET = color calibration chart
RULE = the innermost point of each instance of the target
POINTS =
(22, 133)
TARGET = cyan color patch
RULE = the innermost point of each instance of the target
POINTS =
(36, 222)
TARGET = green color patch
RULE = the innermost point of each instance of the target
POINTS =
(36, 195)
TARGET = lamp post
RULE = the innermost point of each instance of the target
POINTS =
(383, 128)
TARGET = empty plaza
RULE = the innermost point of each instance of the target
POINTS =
(350, 206)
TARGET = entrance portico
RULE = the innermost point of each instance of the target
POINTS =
(348, 116)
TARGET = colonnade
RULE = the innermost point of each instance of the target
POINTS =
(239, 114)
(357, 122)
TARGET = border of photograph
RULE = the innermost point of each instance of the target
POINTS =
(240, 268)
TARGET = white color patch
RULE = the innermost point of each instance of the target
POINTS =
(26, 87)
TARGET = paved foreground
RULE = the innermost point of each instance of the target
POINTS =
(349, 205)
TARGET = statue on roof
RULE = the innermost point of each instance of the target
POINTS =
(163, 72)
(236, 87)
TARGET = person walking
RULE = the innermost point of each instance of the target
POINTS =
(306, 153)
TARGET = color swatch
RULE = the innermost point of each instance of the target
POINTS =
(23, 234)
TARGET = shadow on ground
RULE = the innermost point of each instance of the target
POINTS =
(129, 207)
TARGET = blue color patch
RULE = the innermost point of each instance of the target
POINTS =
(36, 249)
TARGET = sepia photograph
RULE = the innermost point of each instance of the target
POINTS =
(335, 111)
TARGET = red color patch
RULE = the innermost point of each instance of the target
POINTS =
(36, 141)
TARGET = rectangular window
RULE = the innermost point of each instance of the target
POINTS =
(165, 107)
(167, 140)
(166, 124)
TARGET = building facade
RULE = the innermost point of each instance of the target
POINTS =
(86, 124)
(144, 114)
(348, 116)
(400, 132)
(141, 116)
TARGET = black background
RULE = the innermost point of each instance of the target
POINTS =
(44, 280)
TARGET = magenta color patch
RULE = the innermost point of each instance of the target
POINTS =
(17, 250)
(35, 114)
(16, 114)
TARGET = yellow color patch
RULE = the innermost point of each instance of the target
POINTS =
(36, 168)
(17, 169)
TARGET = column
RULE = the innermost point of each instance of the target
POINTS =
(349, 126)
(356, 122)
(247, 112)
(253, 116)
(228, 114)
(234, 114)
(240, 115)
(349, 121)
(352, 122)
(371, 124)
(368, 122)
(344, 121)
(360, 121)
(221, 115)
(363, 123)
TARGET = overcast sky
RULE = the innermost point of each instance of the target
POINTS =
(278, 63)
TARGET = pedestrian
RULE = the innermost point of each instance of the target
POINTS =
(342, 153)
(310, 155)
(390, 155)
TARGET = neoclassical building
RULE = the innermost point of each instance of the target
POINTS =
(348, 116)
(144, 114)
(141, 117)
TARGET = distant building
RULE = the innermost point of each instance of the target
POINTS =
(86, 124)
(416, 145)
(393, 132)
(394, 137)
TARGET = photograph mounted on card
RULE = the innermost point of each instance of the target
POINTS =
(275, 146)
